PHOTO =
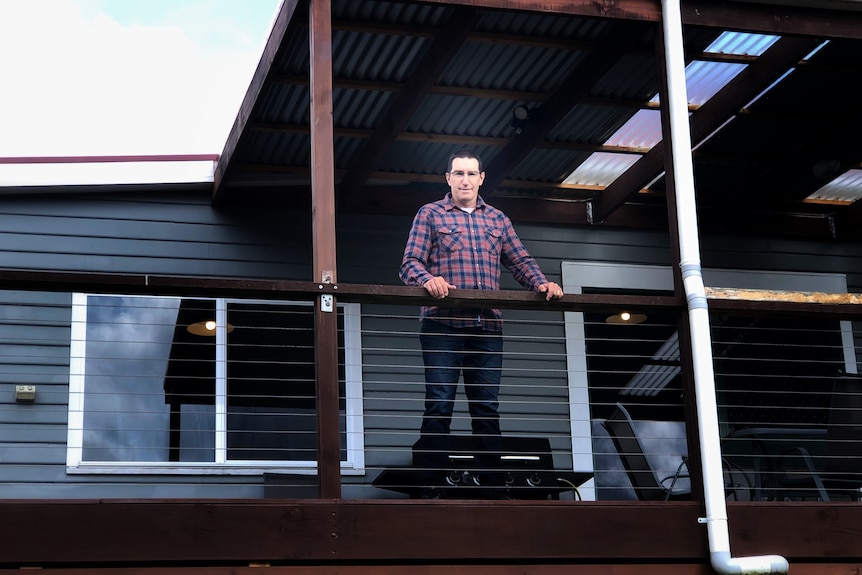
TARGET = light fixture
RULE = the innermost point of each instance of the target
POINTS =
(206, 328)
(626, 318)
(826, 169)
(520, 115)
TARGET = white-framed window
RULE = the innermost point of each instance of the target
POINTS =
(204, 385)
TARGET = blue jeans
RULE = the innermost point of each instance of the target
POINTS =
(448, 353)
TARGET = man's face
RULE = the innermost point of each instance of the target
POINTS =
(464, 180)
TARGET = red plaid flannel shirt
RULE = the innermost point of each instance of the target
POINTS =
(466, 249)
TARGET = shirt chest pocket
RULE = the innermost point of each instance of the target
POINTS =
(450, 239)
(492, 240)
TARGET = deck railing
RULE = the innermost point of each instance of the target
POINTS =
(160, 405)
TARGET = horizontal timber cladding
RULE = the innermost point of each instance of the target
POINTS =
(34, 351)
(152, 233)
(42, 533)
(182, 234)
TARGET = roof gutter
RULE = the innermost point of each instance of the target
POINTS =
(695, 292)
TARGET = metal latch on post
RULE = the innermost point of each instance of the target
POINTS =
(326, 302)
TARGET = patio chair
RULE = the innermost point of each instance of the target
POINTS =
(647, 484)
(840, 471)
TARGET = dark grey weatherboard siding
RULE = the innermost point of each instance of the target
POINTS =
(181, 234)
(152, 234)
(34, 350)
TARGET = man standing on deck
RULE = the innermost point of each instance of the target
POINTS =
(459, 242)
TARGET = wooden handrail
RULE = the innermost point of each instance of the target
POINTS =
(845, 306)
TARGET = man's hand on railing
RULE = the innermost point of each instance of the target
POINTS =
(438, 287)
(553, 290)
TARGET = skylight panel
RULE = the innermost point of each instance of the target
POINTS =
(703, 80)
(643, 130)
(846, 188)
(601, 168)
(741, 44)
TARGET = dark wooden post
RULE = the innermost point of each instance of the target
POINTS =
(323, 224)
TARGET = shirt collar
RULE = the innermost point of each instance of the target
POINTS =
(451, 205)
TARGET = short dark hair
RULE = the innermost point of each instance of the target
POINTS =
(465, 153)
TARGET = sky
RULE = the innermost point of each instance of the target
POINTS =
(126, 77)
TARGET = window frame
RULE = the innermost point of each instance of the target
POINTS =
(353, 464)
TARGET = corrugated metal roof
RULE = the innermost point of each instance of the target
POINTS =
(393, 121)
(375, 57)
(494, 66)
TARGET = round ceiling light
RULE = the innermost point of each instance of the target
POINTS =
(626, 318)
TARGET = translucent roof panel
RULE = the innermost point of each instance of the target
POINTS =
(845, 188)
(601, 168)
(703, 79)
(741, 44)
(643, 130)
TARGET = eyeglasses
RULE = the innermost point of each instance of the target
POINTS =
(460, 174)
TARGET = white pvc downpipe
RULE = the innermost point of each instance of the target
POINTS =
(695, 292)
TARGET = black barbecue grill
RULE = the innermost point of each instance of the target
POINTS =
(527, 464)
